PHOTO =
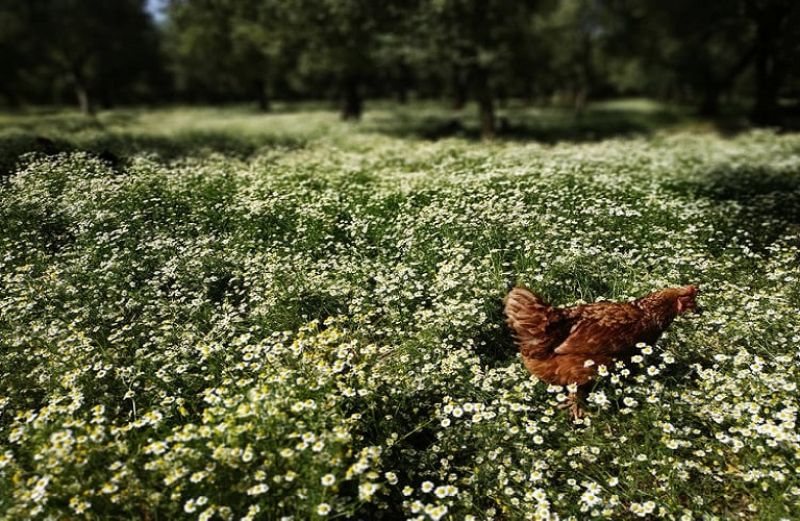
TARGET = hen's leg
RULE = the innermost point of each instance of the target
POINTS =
(576, 410)
(573, 401)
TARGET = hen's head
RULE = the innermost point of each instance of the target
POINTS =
(683, 298)
(685, 301)
(666, 304)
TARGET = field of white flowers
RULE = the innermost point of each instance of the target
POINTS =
(312, 328)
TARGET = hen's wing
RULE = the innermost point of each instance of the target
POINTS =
(603, 328)
(538, 327)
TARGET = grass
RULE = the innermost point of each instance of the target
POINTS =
(238, 131)
(217, 314)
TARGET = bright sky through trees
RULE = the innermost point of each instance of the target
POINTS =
(156, 9)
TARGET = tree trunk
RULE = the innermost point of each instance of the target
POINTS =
(402, 93)
(10, 96)
(714, 89)
(264, 104)
(710, 105)
(502, 98)
(768, 71)
(588, 77)
(85, 102)
(352, 107)
(487, 118)
(403, 83)
(579, 105)
(485, 103)
(459, 90)
(765, 110)
(85, 99)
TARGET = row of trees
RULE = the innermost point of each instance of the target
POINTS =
(90, 51)
(111, 52)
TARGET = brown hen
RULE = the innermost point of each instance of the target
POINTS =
(556, 343)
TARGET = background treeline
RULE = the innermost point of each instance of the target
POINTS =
(102, 53)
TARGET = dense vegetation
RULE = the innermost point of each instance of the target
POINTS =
(739, 55)
(222, 315)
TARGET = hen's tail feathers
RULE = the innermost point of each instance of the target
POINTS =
(529, 318)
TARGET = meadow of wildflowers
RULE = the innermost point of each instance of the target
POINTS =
(313, 330)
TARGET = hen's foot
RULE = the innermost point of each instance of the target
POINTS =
(573, 403)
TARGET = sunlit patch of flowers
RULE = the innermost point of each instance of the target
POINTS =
(316, 332)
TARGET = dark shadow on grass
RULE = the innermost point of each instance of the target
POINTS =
(769, 199)
(124, 145)
(495, 345)
(547, 125)
(552, 124)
